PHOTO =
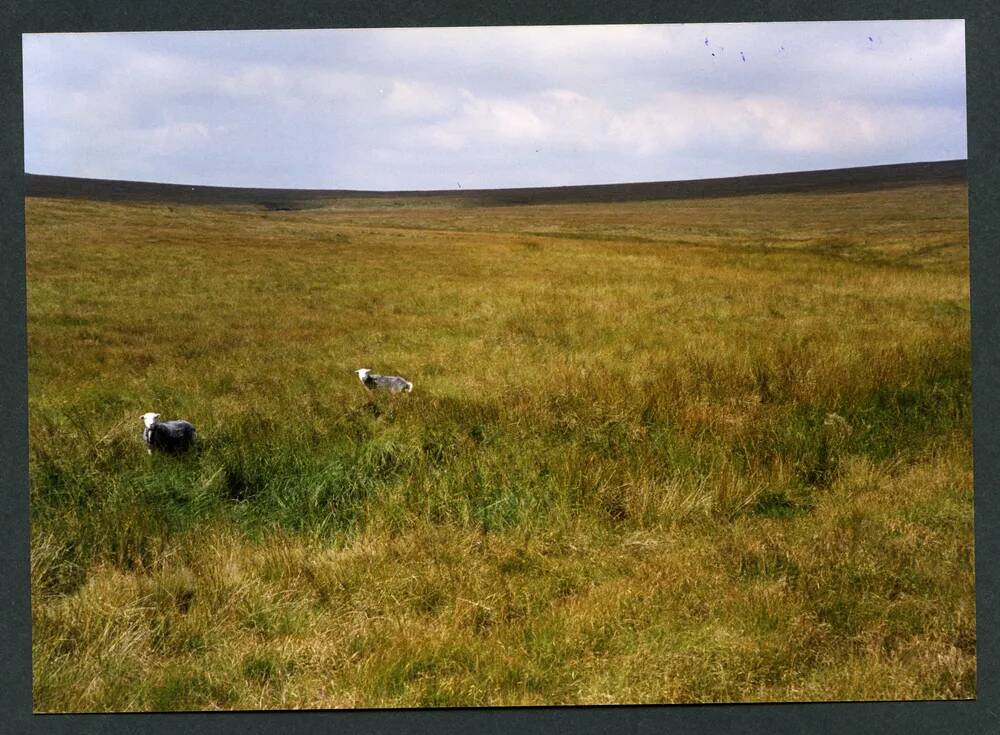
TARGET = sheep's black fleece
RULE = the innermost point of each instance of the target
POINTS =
(170, 436)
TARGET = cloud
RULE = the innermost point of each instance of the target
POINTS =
(409, 99)
(481, 122)
(169, 139)
(560, 119)
(773, 123)
(424, 108)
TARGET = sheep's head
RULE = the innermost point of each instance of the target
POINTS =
(149, 419)
(362, 374)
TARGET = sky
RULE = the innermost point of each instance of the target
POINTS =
(448, 108)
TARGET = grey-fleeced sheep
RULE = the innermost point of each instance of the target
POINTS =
(391, 383)
(166, 436)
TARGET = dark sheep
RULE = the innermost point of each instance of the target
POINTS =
(167, 436)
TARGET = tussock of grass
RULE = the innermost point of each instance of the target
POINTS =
(656, 452)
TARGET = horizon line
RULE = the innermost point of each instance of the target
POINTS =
(494, 189)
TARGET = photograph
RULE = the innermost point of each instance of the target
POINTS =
(499, 366)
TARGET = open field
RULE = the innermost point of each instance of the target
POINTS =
(684, 450)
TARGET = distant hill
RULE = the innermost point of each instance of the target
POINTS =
(865, 178)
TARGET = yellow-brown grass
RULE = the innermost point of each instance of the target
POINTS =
(683, 451)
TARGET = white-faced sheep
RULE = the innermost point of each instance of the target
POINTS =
(391, 383)
(166, 436)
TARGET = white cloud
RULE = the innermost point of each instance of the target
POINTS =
(254, 80)
(482, 122)
(313, 82)
(409, 99)
(548, 105)
(566, 120)
(168, 139)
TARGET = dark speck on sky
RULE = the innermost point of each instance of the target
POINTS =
(742, 56)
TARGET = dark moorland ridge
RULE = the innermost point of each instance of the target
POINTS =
(865, 178)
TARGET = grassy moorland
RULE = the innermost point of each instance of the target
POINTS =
(662, 451)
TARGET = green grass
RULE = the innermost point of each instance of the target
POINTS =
(685, 451)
